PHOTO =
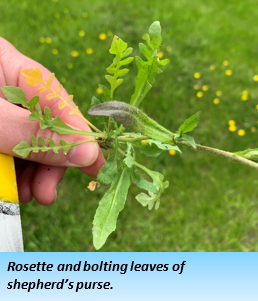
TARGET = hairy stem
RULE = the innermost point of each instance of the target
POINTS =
(225, 154)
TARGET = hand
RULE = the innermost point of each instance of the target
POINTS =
(39, 175)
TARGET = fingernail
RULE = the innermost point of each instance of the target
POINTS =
(83, 155)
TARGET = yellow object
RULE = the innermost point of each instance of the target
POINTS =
(199, 94)
(231, 122)
(218, 93)
(241, 132)
(8, 185)
(172, 152)
(216, 101)
(205, 88)
(197, 75)
(228, 72)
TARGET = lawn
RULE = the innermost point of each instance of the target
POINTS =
(211, 203)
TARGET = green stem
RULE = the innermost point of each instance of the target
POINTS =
(226, 154)
(124, 139)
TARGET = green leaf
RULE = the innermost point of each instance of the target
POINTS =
(94, 101)
(154, 148)
(109, 171)
(250, 154)
(132, 118)
(15, 95)
(139, 180)
(106, 93)
(129, 155)
(119, 48)
(189, 124)
(23, 149)
(147, 70)
(152, 199)
(109, 208)
(188, 139)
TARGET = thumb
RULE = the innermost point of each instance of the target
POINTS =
(15, 127)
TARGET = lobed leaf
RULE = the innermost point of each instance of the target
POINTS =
(32, 76)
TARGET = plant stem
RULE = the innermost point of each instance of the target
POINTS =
(133, 139)
(226, 154)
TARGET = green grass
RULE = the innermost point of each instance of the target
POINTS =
(211, 203)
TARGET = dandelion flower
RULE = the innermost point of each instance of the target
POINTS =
(69, 65)
(144, 142)
(253, 129)
(218, 93)
(196, 87)
(99, 91)
(226, 63)
(232, 128)
(245, 97)
(48, 40)
(55, 51)
(172, 152)
(81, 33)
(241, 132)
(228, 72)
(168, 49)
(212, 67)
(89, 50)
(255, 78)
(75, 53)
(231, 122)
(199, 94)
(197, 75)
(160, 54)
(205, 88)
(42, 40)
(216, 101)
(102, 36)
(256, 107)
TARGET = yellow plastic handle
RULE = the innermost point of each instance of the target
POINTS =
(10, 221)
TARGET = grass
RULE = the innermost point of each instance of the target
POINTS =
(211, 203)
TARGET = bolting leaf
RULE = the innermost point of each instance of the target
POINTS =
(129, 156)
(132, 118)
(109, 208)
(189, 124)
(147, 70)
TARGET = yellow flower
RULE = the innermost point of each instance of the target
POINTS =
(69, 65)
(216, 101)
(48, 40)
(63, 80)
(196, 87)
(241, 132)
(144, 36)
(144, 142)
(226, 63)
(197, 75)
(84, 15)
(55, 51)
(57, 15)
(232, 128)
(205, 88)
(255, 78)
(199, 94)
(212, 67)
(231, 122)
(218, 93)
(253, 129)
(168, 49)
(42, 40)
(81, 33)
(109, 33)
(89, 50)
(172, 152)
(228, 72)
(244, 97)
(102, 36)
(99, 91)
(75, 53)
(160, 54)
(256, 107)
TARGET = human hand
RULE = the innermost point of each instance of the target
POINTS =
(39, 175)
